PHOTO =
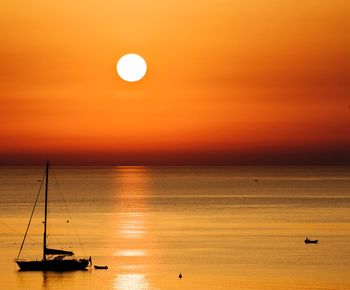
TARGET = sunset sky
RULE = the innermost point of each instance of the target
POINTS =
(228, 82)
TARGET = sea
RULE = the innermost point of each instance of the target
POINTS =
(239, 227)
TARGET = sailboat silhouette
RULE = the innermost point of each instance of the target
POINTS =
(53, 259)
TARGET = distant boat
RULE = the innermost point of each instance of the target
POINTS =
(53, 259)
(308, 241)
(100, 267)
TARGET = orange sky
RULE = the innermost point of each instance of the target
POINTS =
(228, 82)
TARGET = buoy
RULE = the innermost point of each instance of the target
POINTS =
(180, 276)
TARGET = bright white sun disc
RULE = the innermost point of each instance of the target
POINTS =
(131, 67)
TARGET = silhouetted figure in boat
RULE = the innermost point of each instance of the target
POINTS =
(180, 276)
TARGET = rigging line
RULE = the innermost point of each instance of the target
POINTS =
(70, 215)
(31, 215)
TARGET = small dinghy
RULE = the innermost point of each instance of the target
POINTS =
(100, 267)
(308, 241)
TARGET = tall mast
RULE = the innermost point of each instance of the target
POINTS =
(46, 189)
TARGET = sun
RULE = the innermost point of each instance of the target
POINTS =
(131, 67)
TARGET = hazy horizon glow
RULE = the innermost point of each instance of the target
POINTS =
(228, 82)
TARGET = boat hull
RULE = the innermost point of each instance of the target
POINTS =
(100, 267)
(311, 242)
(53, 265)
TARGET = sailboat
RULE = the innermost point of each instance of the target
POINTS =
(53, 259)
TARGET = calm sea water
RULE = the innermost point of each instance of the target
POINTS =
(221, 227)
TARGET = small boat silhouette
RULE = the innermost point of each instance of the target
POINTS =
(308, 241)
(100, 267)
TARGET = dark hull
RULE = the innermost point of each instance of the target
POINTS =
(311, 242)
(53, 265)
(100, 267)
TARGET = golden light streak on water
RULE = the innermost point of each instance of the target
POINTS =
(132, 282)
(130, 253)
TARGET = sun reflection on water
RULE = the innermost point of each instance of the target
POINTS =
(132, 231)
(132, 227)
(132, 282)
(130, 253)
